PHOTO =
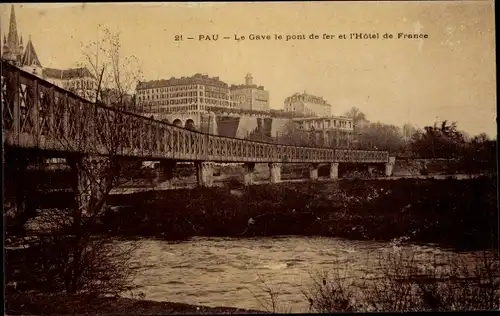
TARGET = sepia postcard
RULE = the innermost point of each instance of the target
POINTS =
(249, 157)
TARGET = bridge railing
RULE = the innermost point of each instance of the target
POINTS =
(38, 114)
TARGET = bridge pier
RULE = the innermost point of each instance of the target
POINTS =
(371, 170)
(18, 190)
(313, 171)
(334, 170)
(249, 169)
(165, 172)
(205, 173)
(389, 166)
(275, 172)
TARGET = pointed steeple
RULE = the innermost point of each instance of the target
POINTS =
(12, 38)
(13, 52)
(30, 57)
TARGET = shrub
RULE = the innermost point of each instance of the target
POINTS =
(407, 284)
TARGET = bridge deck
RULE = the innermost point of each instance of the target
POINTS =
(38, 114)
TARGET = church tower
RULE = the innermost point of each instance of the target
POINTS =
(14, 51)
(13, 48)
(30, 61)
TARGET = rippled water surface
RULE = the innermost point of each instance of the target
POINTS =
(228, 272)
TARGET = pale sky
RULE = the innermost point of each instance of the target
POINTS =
(450, 75)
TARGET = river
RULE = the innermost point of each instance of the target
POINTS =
(229, 272)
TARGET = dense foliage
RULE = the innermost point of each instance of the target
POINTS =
(460, 213)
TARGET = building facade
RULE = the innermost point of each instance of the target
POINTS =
(250, 96)
(77, 80)
(199, 93)
(329, 131)
(307, 105)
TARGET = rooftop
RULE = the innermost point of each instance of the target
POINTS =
(198, 78)
(323, 118)
(30, 57)
(67, 74)
(243, 86)
(307, 97)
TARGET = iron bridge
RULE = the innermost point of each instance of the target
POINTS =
(37, 114)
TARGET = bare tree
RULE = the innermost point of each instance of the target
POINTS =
(116, 75)
(76, 253)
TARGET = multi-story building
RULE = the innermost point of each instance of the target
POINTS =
(198, 93)
(307, 105)
(249, 96)
(333, 131)
(77, 80)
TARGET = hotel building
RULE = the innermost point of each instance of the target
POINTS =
(307, 105)
(198, 93)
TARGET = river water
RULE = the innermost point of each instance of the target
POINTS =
(232, 272)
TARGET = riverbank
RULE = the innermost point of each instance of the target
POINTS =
(26, 304)
(461, 214)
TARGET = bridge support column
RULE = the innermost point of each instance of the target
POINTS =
(165, 172)
(18, 193)
(205, 173)
(334, 171)
(249, 170)
(389, 166)
(275, 172)
(313, 171)
(371, 170)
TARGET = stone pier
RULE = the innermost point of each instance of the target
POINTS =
(249, 169)
(371, 170)
(165, 173)
(389, 166)
(275, 172)
(313, 171)
(334, 171)
(205, 174)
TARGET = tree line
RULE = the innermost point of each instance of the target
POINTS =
(441, 140)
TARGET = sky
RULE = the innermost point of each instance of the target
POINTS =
(448, 76)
